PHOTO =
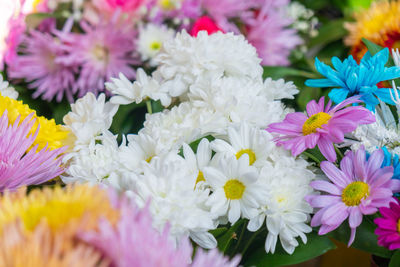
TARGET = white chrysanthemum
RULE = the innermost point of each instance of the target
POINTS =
(175, 201)
(186, 59)
(246, 140)
(98, 163)
(284, 209)
(279, 89)
(236, 191)
(6, 90)
(150, 40)
(89, 117)
(126, 92)
(237, 99)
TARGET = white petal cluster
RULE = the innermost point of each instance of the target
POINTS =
(6, 90)
(213, 87)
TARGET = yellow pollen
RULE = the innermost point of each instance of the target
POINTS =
(149, 159)
(398, 226)
(100, 53)
(234, 189)
(249, 152)
(314, 122)
(167, 4)
(200, 177)
(354, 193)
(155, 46)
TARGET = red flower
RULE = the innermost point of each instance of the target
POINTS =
(204, 23)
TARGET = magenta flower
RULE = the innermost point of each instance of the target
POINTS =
(134, 242)
(323, 126)
(388, 230)
(38, 63)
(102, 52)
(358, 188)
(20, 166)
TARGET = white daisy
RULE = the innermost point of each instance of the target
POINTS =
(150, 40)
(89, 117)
(126, 92)
(6, 90)
(284, 209)
(175, 201)
(235, 189)
(245, 140)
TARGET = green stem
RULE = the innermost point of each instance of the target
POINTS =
(338, 152)
(240, 239)
(311, 156)
(252, 239)
(148, 105)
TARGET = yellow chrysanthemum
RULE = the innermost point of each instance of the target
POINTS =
(50, 133)
(379, 24)
(41, 248)
(62, 209)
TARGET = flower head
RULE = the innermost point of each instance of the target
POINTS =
(358, 188)
(50, 134)
(20, 166)
(323, 126)
(357, 79)
(204, 23)
(388, 230)
(102, 51)
(6, 90)
(39, 65)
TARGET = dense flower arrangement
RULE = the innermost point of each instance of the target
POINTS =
(171, 143)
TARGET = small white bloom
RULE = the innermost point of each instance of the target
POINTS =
(279, 89)
(175, 201)
(89, 117)
(245, 140)
(6, 90)
(284, 209)
(151, 39)
(235, 189)
(125, 92)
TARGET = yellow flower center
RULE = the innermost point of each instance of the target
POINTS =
(149, 159)
(167, 4)
(100, 53)
(234, 189)
(398, 226)
(314, 122)
(200, 177)
(354, 193)
(249, 152)
(155, 46)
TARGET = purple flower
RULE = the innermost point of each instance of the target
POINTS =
(323, 126)
(388, 230)
(134, 242)
(102, 52)
(38, 63)
(358, 188)
(20, 164)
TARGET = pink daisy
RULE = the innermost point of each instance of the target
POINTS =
(20, 166)
(102, 52)
(38, 63)
(358, 188)
(388, 230)
(134, 242)
(323, 126)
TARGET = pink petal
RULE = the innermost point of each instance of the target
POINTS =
(346, 165)
(355, 217)
(335, 214)
(352, 236)
(313, 108)
(374, 161)
(320, 201)
(326, 187)
(334, 174)
(327, 149)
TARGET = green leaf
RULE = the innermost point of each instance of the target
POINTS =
(156, 106)
(277, 72)
(374, 48)
(365, 239)
(316, 246)
(225, 240)
(395, 260)
(328, 33)
(218, 232)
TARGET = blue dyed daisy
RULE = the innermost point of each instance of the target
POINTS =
(391, 160)
(354, 79)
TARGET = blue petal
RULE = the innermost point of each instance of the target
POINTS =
(384, 95)
(337, 95)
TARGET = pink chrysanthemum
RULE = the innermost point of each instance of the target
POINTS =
(323, 126)
(20, 166)
(388, 230)
(102, 52)
(204, 23)
(269, 34)
(134, 242)
(358, 188)
(38, 63)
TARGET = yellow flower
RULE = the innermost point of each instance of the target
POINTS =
(40, 248)
(49, 133)
(379, 24)
(62, 209)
